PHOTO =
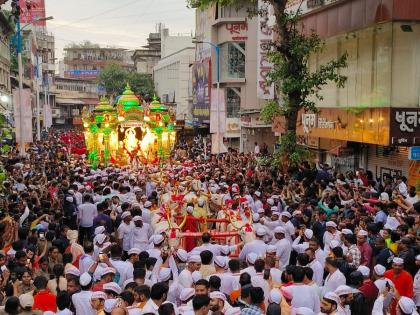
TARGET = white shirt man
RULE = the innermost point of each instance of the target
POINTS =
(305, 296)
(318, 270)
(81, 300)
(256, 246)
(330, 235)
(300, 248)
(283, 246)
(124, 268)
(333, 281)
(140, 234)
(125, 230)
(87, 212)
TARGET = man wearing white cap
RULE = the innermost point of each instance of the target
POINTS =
(283, 246)
(364, 247)
(331, 234)
(218, 302)
(307, 236)
(140, 234)
(257, 224)
(185, 277)
(256, 246)
(86, 213)
(330, 305)
(82, 299)
(125, 230)
(402, 279)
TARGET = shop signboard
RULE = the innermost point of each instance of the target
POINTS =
(414, 153)
(405, 126)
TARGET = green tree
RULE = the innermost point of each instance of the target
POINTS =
(141, 84)
(296, 86)
(113, 77)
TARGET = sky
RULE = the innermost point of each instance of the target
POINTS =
(120, 23)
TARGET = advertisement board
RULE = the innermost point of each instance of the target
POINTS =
(201, 84)
(32, 11)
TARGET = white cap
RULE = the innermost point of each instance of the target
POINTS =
(190, 209)
(220, 261)
(333, 296)
(98, 295)
(398, 261)
(182, 254)
(100, 238)
(157, 239)
(270, 201)
(194, 259)
(69, 198)
(255, 217)
(261, 232)
(108, 270)
(365, 271)
(125, 214)
(261, 210)
(137, 218)
(26, 300)
(186, 294)
(218, 295)
(384, 197)
(85, 279)
(286, 214)
(362, 233)
(275, 296)
(275, 212)
(418, 257)
(279, 229)
(225, 249)
(164, 274)
(379, 270)
(308, 233)
(257, 193)
(344, 290)
(251, 258)
(147, 204)
(347, 231)
(407, 305)
(112, 286)
(73, 271)
(331, 224)
(134, 250)
(196, 275)
(99, 230)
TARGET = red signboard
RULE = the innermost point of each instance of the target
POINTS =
(31, 11)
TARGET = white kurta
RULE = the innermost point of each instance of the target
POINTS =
(185, 279)
(333, 281)
(256, 246)
(305, 296)
(299, 248)
(318, 270)
(417, 288)
(124, 234)
(328, 237)
(140, 237)
(283, 252)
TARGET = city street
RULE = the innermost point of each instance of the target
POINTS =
(209, 157)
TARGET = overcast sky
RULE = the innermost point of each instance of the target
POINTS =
(121, 23)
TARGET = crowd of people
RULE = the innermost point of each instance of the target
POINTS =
(114, 240)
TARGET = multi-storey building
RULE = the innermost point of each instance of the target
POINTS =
(374, 120)
(5, 84)
(87, 62)
(71, 96)
(235, 36)
(147, 57)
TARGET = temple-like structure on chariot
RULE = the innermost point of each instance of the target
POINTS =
(130, 133)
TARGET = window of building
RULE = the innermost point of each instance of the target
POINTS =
(233, 102)
(233, 60)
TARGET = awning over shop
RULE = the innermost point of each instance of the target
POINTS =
(90, 101)
(69, 101)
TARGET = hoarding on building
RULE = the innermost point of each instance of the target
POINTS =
(31, 11)
(26, 108)
(81, 74)
(405, 126)
(264, 39)
(201, 84)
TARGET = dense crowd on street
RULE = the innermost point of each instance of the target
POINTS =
(202, 234)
